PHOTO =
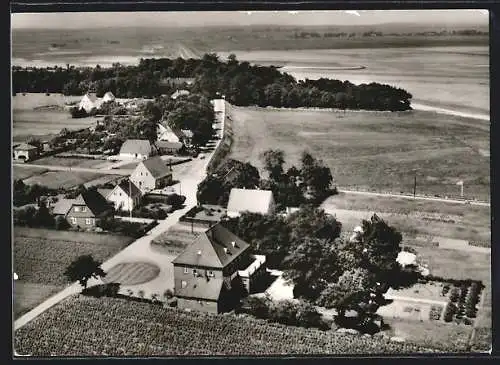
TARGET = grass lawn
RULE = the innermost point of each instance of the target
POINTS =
(73, 162)
(62, 179)
(471, 223)
(41, 256)
(447, 337)
(373, 151)
(25, 172)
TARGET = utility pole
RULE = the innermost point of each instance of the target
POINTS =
(130, 198)
(415, 186)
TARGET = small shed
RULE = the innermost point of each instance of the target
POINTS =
(25, 152)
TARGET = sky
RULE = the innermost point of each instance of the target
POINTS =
(242, 18)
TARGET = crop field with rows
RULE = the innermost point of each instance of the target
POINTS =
(113, 327)
(41, 256)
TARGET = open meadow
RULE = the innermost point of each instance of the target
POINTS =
(414, 218)
(35, 114)
(41, 256)
(64, 179)
(374, 151)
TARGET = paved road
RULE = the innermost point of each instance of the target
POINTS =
(443, 200)
(122, 172)
(190, 176)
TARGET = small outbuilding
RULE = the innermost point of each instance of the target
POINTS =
(25, 152)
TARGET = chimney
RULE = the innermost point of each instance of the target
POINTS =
(225, 249)
(199, 252)
(233, 244)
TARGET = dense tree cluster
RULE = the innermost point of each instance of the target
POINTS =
(242, 84)
(325, 268)
(215, 188)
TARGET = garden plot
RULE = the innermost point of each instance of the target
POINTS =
(41, 256)
(25, 172)
(68, 161)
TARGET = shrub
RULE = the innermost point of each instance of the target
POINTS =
(449, 312)
(61, 223)
(435, 312)
(454, 295)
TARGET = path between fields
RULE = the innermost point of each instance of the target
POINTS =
(403, 196)
(122, 172)
(190, 179)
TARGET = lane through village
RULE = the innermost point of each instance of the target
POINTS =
(140, 250)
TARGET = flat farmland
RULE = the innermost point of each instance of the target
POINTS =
(118, 327)
(376, 151)
(414, 217)
(41, 114)
(63, 179)
(25, 172)
(41, 256)
(68, 162)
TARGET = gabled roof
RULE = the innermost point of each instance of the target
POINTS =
(156, 167)
(167, 144)
(200, 288)
(92, 97)
(93, 200)
(25, 147)
(62, 206)
(208, 249)
(128, 188)
(249, 200)
(139, 146)
(109, 95)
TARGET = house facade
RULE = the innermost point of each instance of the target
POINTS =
(87, 209)
(165, 133)
(89, 102)
(25, 152)
(125, 196)
(136, 149)
(152, 173)
(250, 200)
(207, 273)
(108, 97)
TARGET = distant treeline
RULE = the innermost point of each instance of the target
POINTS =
(241, 83)
(464, 32)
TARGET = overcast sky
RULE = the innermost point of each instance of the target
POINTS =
(157, 19)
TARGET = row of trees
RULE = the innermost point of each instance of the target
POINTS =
(309, 183)
(326, 268)
(243, 84)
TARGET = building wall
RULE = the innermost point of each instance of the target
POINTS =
(133, 156)
(86, 104)
(143, 179)
(198, 305)
(122, 200)
(28, 155)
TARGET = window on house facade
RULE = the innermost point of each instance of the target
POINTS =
(210, 273)
(186, 270)
(73, 220)
(184, 283)
(195, 272)
(84, 209)
(89, 221)
(77, 209)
